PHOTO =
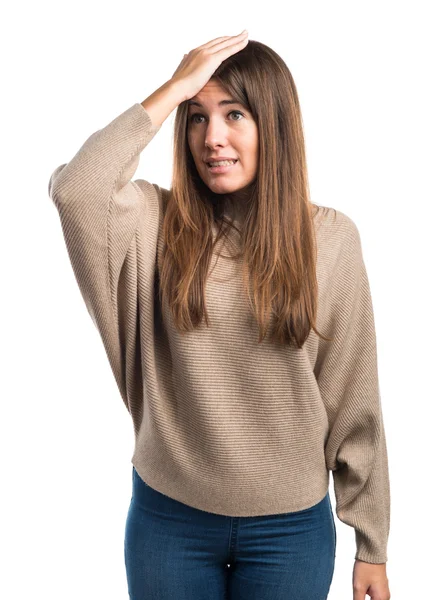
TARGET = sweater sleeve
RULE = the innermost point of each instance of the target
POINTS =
(346, 372)
(100, 209)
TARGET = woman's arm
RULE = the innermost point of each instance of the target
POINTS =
(101, 209)
(163, 101)
(347, 375)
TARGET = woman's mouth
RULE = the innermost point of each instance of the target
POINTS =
(223, 168)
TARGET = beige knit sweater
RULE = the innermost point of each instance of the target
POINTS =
(221, 423)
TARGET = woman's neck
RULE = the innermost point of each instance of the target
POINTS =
(236, 204)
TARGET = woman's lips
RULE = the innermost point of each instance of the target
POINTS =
(222, 168)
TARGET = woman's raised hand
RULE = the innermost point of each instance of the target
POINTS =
(197, 67)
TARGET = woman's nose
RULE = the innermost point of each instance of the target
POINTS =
(215, 134)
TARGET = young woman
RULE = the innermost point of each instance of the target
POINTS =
(238, 322)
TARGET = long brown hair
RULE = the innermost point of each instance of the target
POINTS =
(277, 239)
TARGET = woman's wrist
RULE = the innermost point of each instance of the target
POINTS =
(161, 103)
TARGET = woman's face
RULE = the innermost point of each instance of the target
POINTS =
(222, 131)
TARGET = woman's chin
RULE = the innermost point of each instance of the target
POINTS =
(221, 188)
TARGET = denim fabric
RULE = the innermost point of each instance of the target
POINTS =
(176, 552)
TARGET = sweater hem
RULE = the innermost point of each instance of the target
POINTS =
(268, 503)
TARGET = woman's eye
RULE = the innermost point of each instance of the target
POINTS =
(236, 112)
(193, 117)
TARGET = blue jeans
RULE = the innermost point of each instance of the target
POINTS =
(177, 552)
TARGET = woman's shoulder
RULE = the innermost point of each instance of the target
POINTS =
(337, 236)
(333, 223)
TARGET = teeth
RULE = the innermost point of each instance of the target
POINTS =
(222, 163)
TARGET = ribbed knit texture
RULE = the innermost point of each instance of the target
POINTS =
(222, 423)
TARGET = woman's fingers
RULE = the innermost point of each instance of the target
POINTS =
(222, 40)
(197, 67)
(226, 48)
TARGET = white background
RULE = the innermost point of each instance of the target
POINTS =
(66, 437)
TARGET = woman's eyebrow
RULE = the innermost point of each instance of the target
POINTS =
(221, 103)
